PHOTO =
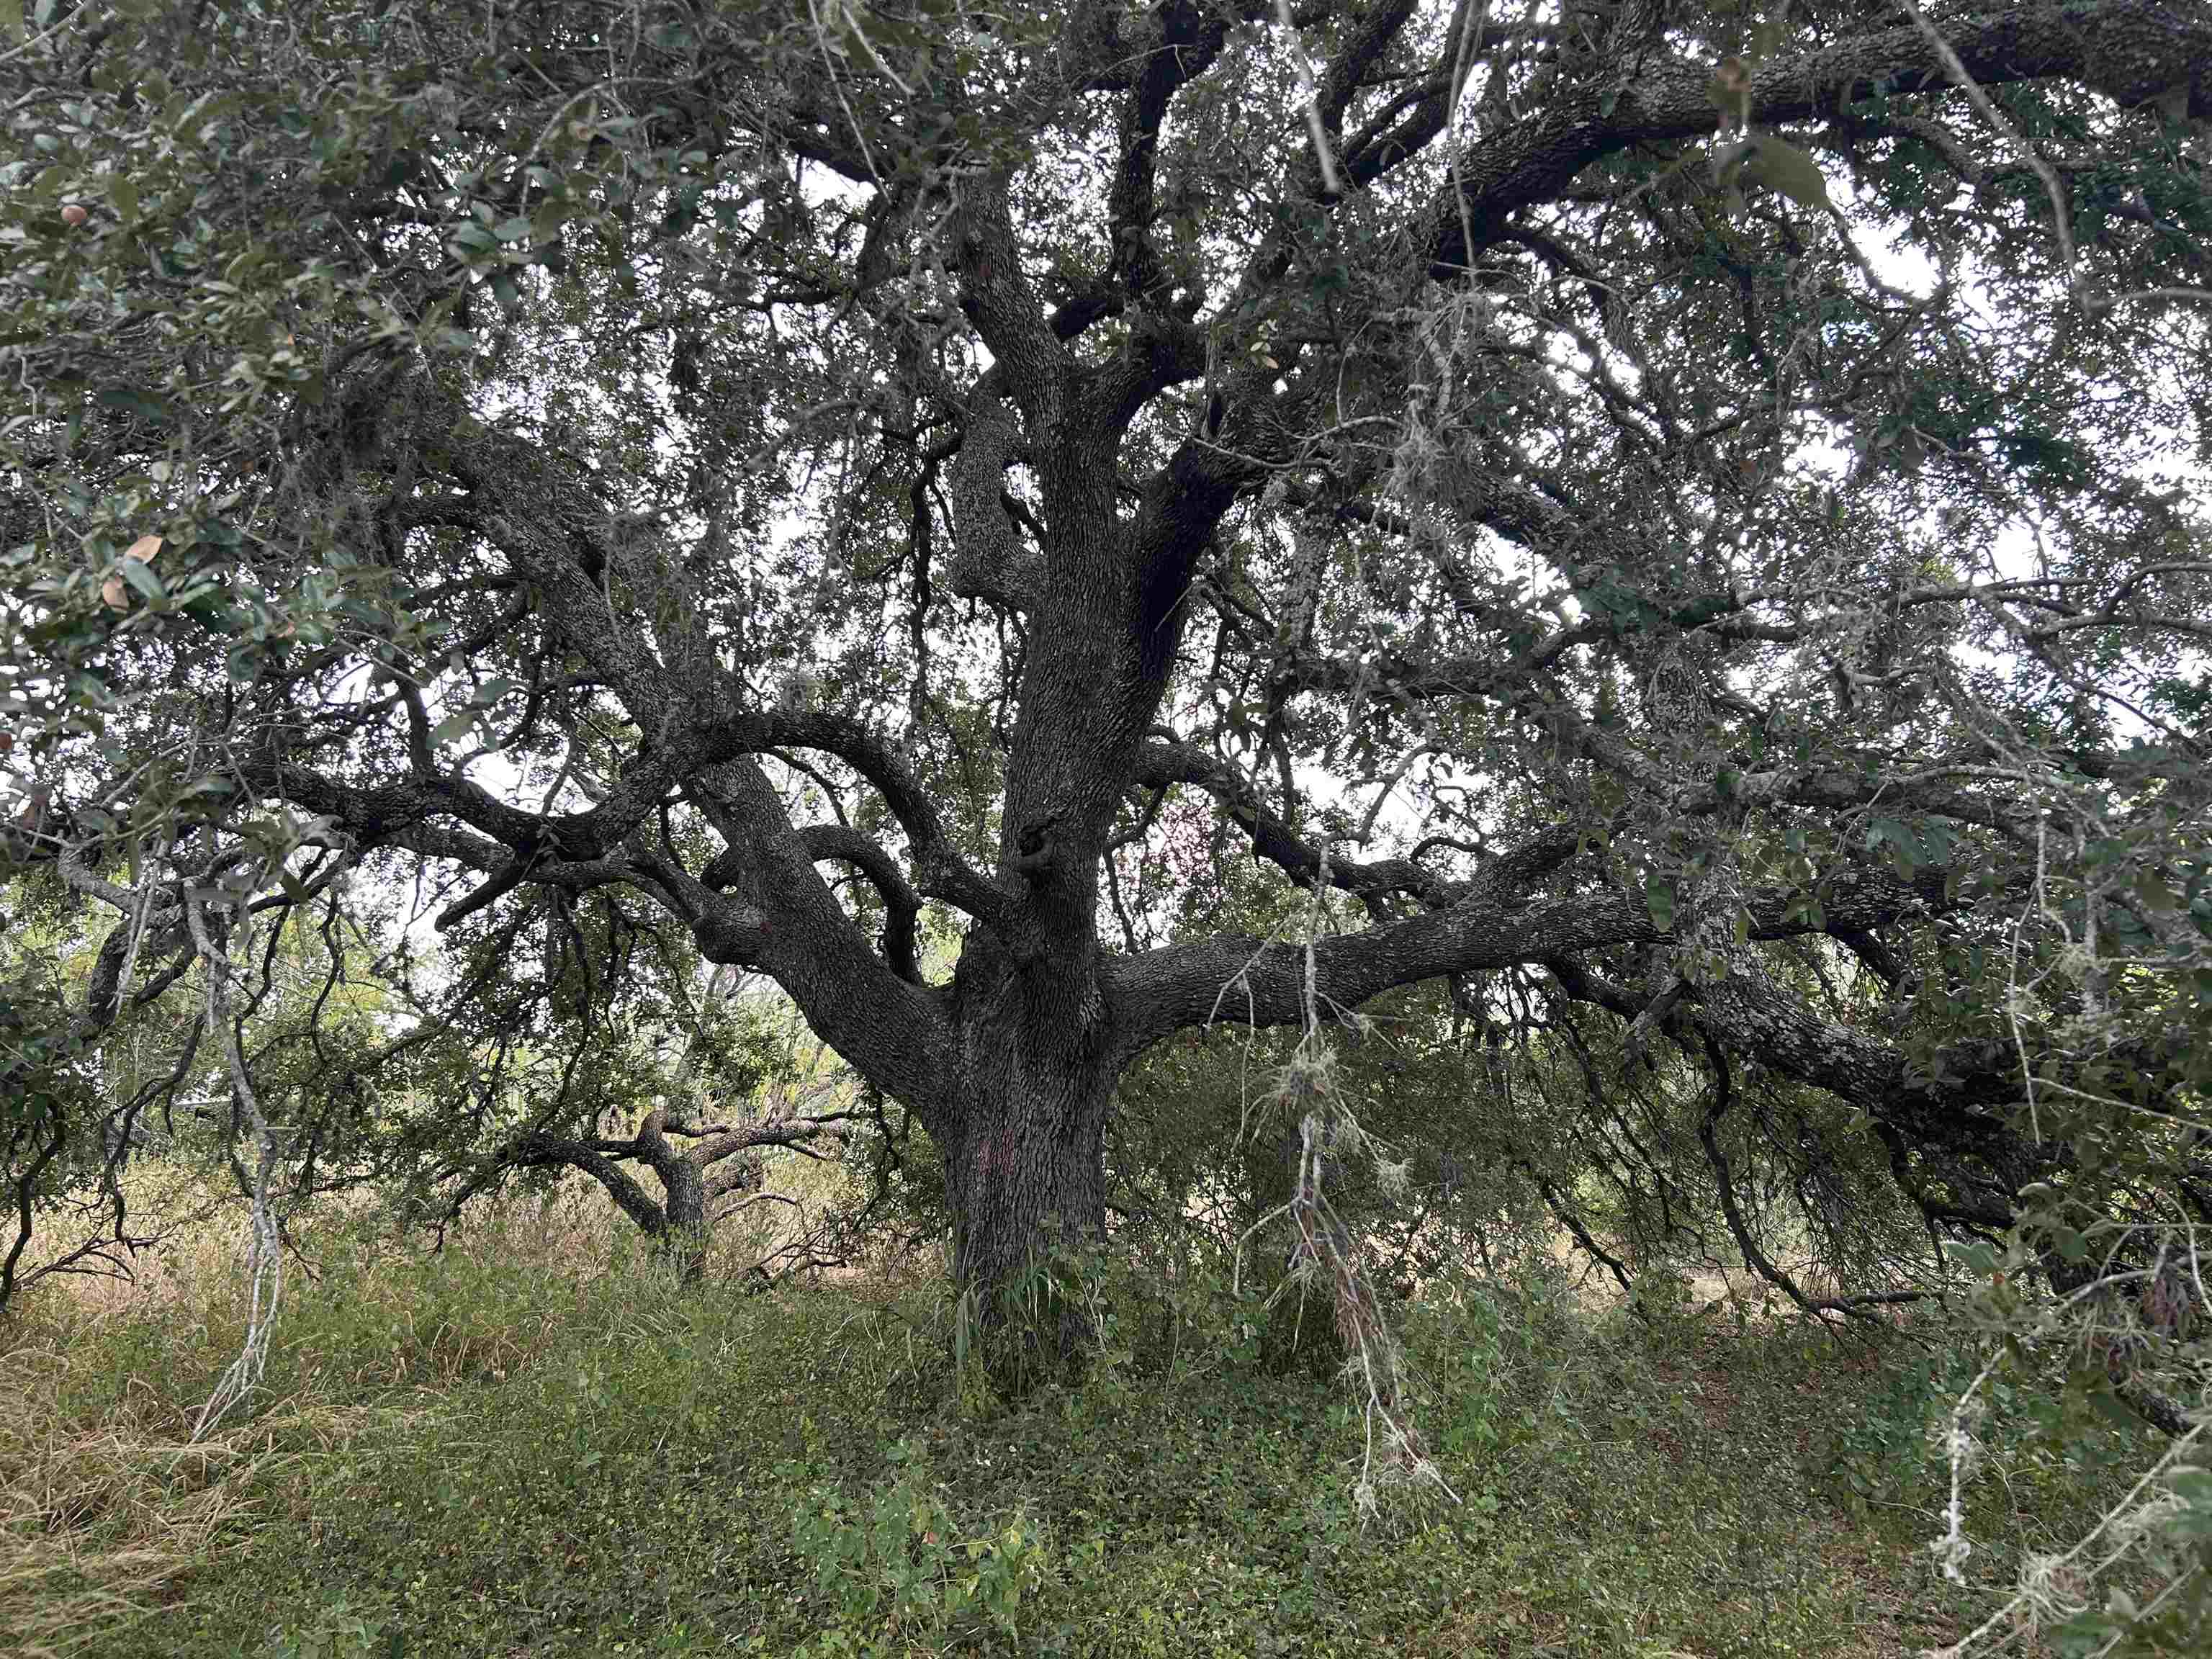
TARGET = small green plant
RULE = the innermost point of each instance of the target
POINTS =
(900, 1566)
(1888, 1451)
(338, 1630)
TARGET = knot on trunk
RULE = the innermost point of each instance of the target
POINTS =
(1034, 847)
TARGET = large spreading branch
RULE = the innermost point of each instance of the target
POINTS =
(2128, 50)
(1505, 915)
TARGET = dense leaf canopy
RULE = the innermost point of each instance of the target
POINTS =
(1679, 533)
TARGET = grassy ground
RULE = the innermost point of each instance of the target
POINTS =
(534, 1444)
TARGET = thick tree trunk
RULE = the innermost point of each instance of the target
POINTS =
(686, 1239)
(1027, 1176)
(683, 1234)
(1025, 1160)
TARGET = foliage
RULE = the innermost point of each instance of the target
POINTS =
(897, 1565)
(538, 1439)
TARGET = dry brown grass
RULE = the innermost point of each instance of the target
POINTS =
(97, 1518)
(104, 1500)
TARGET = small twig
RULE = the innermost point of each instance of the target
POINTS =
(1331, 186)
(1989, 112)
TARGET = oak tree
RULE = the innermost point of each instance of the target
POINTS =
(1677, 525)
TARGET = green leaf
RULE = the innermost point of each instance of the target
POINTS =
(452, 728)
(141, 576)
(2151, 893)
(546, 220)
(1901, 839)
(1978, 1256)
(212, 613)
(2110, 1407)
(1659, 898)
(141, 403)
(1935, 842)
(1786, 168)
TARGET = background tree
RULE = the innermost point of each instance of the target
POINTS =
(1680, 526)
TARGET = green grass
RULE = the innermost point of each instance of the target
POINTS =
(529, 1444)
